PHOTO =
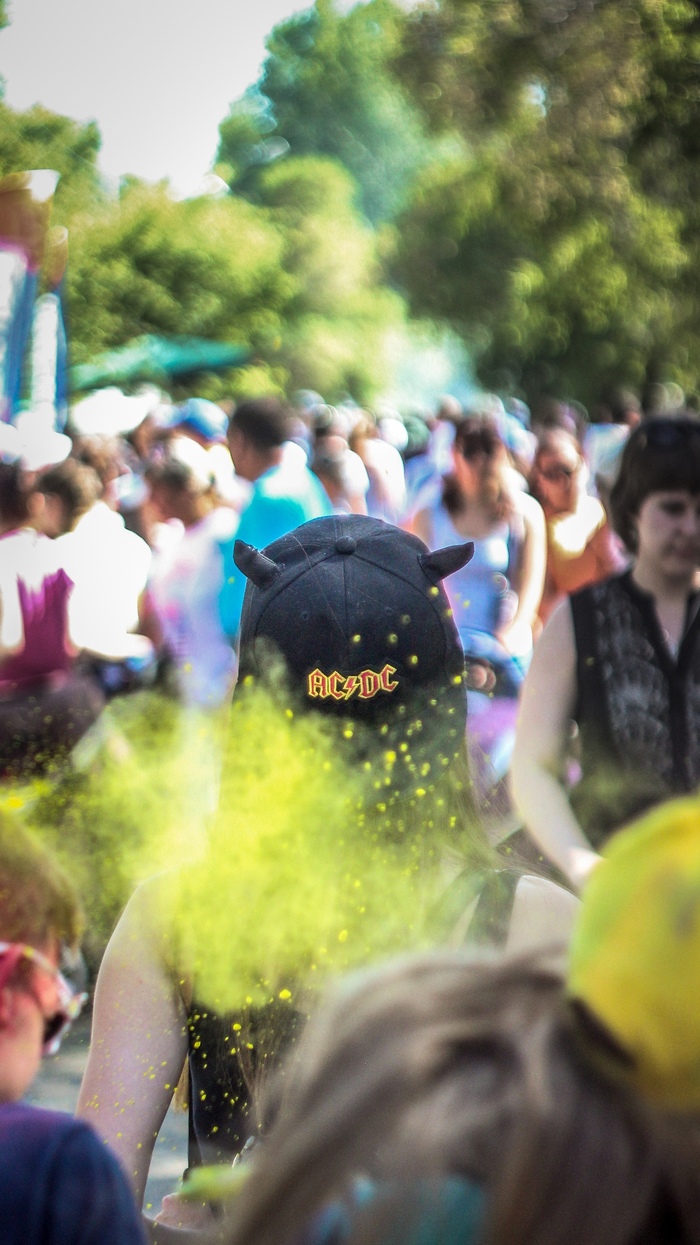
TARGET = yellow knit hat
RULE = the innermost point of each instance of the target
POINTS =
(635, 955)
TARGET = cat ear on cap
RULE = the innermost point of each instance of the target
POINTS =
(446, 561)
(256, 566)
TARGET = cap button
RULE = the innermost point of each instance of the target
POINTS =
(345, 544)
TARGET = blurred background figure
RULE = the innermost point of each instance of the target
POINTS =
(180, 608)
(386, 497)
(604, 439)
(342, 474)
(426, 470)
(495, 599)
(58, 1182)
(207, 423)
(285, 492)
(107, 564)
(45, 706)
(581, 547)
(621, 658)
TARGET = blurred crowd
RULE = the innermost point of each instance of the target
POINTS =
(415, 569)
(118, 536)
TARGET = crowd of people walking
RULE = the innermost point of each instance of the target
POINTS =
(402, 586)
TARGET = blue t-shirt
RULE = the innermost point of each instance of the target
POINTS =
(59, 1184)
(283, 498)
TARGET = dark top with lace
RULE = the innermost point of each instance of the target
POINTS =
(638, 705)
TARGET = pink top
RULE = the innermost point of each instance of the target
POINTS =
(29, 565)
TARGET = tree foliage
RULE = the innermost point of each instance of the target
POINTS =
(327, 88)
(339, 312)
(295, 276)
(563, 241)
(40, 139)
(147, 264)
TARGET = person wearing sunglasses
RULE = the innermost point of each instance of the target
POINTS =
(58, 1183)
(621, 659)
(581, 547)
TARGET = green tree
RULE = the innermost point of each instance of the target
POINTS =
(40, 139)
(340, 312)
(557, 241)
(327, 89)
(295, 276)
(147, 264)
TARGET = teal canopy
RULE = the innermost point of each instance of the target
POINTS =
(155, 358)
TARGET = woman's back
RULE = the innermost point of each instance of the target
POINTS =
(479, 593)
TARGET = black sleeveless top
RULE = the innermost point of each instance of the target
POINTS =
(220, 1119)
(638, 706)
(222, 1083)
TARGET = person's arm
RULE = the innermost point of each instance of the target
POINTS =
(516, 637)
(543, 732)
(139, 1041)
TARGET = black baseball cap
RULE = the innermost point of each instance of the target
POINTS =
(357, 611)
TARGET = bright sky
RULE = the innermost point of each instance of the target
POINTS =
(157, 75)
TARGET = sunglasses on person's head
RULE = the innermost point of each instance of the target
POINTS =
(71, 999)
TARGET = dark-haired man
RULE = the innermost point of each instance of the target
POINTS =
(285, 492)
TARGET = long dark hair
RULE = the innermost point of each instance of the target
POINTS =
(479, 438)
(438, 1066)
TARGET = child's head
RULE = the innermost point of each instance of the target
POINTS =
(39, 917)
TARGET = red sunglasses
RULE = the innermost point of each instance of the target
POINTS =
(70, 1000)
